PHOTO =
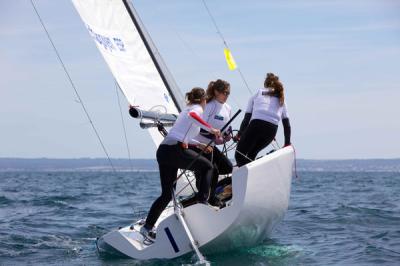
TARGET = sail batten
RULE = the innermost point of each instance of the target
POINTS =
(131, 56)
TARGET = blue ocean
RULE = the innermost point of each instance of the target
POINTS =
(334, 218)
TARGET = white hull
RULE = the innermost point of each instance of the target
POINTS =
(260, 198)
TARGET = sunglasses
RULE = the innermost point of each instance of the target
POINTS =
(226, 93)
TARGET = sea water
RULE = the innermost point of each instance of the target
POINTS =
(334, 218)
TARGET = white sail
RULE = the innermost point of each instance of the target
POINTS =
(131, 56)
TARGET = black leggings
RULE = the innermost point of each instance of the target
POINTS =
(222, 166)
(170, 158)
(257, 136)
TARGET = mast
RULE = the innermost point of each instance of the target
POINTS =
(158, 62)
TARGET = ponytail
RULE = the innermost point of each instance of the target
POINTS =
(195, 96)
(272, 82)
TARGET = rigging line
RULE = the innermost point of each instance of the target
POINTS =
(123, 126)
(117, 88)
(244, 155)
(187, 176)
(277, 144)
(225, 44)
(295, 162)
(200, 58)
(73, 86)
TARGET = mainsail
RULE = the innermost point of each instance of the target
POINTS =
(131, 56)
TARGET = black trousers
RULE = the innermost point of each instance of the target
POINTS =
(170, 158)
(258, 135)
(222, 166)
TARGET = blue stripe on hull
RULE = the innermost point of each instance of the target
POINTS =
(171, 239)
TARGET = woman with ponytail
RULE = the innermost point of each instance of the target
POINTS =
(173, 154)
(260, 124)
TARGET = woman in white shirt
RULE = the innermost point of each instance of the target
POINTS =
(217, 113)
(264, 112)
(173, 154)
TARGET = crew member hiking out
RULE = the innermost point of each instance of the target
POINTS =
(258, 129)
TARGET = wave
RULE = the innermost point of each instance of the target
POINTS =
(5, 201)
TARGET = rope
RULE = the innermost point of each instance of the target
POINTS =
(231, 147)
(244, 155)
(275, 142)
(189, 183)
(73, 86)
(225, 44)
(295, 162)
(123, 126)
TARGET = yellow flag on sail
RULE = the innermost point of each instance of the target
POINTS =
(229, 59)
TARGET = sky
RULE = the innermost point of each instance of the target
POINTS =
(339, 62)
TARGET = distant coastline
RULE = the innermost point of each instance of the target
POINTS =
(80, 164)
(102, 164)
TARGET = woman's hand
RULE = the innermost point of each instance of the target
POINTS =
(215, 132)
(236, 138)
(227, 137)
(219, 140)
(205, 148)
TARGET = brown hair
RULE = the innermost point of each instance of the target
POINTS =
(218, 85)
(272, 82)
(195, 96)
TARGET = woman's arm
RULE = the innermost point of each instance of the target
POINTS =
(199, 121)
(286, 130)
(244, 124)
(203, 124)
(247, 116)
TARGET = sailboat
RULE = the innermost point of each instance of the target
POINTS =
(260, 189)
